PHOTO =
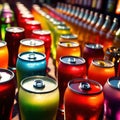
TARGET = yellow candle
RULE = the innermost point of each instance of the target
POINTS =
(3, 54)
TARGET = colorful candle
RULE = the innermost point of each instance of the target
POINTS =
(7, 94)
(30, 44)
(30, 26)
(60, 30)
(112, 98)
(44, 35)
(13, 37)
(69, 67)
(101, 70)
(24, 19)
(92, 51)
(29, 64)
(38, 98)
(113, 54)
(67, 48)
(84, 100)
(3, 55)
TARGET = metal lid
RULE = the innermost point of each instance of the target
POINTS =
(3, 43)
(85, 86)
(24, 12)
(72, 60)
(69, 36)
(15, 29)
(33, 22)
(48, 16)
(32, 42)
(52, 19)
(103, 63)
(42, 32)
(114, 82)
(56, 22)
(6, 75)
(27, 16)
(31, 56)
(61, 27)
(93, 46)
(69, 44)
(39, 84)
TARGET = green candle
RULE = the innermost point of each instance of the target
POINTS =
(38, 98)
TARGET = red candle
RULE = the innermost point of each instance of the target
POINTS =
(24, 19)
(83, 100)
(30, 26)
(92, 51)
(69, 67)
(44, 35)
(13, 37)
(112, 99)
(7, 94)
(101, 70)
(20, 10)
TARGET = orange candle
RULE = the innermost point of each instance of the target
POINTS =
(31, 44)
(67, 48)
(3, 54)
(83, 100)
(101, 70)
